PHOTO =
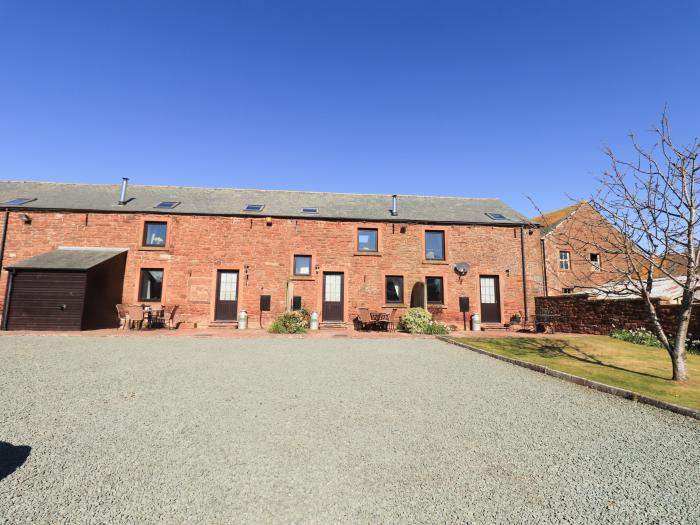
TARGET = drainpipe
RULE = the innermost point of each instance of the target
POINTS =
(2, 258)
(522, 253)
(8, 291)
(544, 268)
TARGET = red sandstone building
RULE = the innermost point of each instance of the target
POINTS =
(70, 252)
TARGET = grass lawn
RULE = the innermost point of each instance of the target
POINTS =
(642, 369)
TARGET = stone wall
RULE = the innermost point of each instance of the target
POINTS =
(579, 314)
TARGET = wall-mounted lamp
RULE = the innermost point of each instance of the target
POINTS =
(268, 221)
(26, 219)
(507, 273)
(317, 268)
(246, 267)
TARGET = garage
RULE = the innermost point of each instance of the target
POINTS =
(65, 289)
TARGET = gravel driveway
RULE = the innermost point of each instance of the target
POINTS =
(185, 429)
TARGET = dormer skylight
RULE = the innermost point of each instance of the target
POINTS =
(309, 210)
(496, 216)
(253, 207)
(19, 201)
(167, 205)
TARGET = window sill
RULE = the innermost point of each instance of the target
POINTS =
(153, 248)
(435, 261)
(302, 278)
(367, 254)
(436, 306)
(395, 305)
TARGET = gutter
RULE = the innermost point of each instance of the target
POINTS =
(3, 239)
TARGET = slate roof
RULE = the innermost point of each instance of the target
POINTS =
(66, 258)
(230, 201)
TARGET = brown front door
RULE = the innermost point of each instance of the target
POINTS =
(226, 295)
(490, 299)
(332, 296)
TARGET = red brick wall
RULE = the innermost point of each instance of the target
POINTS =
(580, 315)
(199, 245)
(583, 233)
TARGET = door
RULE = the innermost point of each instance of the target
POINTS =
(46, 300)
(226, 295)
(332, 296)
(490, 299)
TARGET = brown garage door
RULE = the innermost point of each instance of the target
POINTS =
(46, 300)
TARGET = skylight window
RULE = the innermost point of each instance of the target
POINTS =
(253, 207)
(497, 216)
(19, 201)
(167, 205)
(309, 210)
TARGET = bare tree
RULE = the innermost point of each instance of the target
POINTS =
(652, 203)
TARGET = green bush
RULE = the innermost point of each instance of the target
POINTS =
(415, 320)
(291, 323)
(420, 321)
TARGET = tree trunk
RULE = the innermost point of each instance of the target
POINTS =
(680, 369)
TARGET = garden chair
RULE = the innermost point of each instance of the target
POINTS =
(136, 316)
(363, 319)
(123, 314)
(169, 315)
(393, 319)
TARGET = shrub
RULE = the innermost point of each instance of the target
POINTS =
(639, 336)
(415, 320)
(420, 321)
(295, 322)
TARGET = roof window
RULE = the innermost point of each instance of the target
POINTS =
(167, 205)
(309, 210)
(253, 207)
(19, 201)
(496, 216)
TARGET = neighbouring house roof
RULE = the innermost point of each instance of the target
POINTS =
(551, 220)
(276, 203)
(663, 288)
(674, 264)
(68, 258)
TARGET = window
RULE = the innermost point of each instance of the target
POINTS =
(564, 261)
(151, 288)
(18, 201)
(253, 207)
(435, 292)
(568, 290)
(366, 240)
(154, 234)
(595, 262)
(435, 245)
(309, 210)
(394, 289)
(496, 216)
(302, 265)
(167, 205)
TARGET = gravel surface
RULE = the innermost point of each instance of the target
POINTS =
(186, 429)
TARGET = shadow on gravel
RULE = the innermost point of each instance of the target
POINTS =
(12, 457)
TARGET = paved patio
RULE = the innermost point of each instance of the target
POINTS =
(332, 429)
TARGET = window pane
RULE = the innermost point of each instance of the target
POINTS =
(332, 292)
(394, 289)
(564, 260)
(488, 290)
(302, 265)
(367, 240)
(433, 287)
(435, 245)
(228, 286)
(155, 234)
(151, 285)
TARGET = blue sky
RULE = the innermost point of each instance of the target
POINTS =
(482, 99)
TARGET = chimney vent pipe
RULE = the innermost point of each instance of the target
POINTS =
(122, 195)
(394, 210)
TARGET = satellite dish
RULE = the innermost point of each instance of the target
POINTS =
(462, 268)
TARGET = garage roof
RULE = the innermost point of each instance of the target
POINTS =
(68, 258)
